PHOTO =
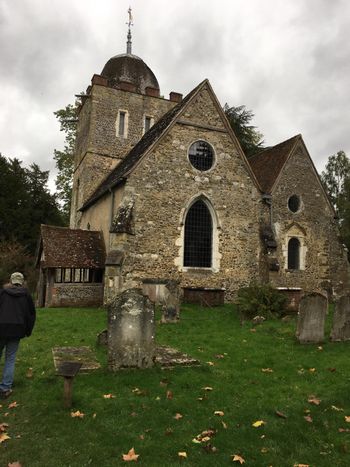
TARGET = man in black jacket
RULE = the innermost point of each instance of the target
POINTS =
(17, 318)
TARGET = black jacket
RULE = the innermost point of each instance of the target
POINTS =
(17, 313)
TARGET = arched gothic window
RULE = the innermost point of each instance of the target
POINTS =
(294, 254)
(198, 236)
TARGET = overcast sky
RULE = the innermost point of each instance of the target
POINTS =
(286, 60)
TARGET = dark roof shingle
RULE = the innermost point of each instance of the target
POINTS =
(71, 248)
(268, 163)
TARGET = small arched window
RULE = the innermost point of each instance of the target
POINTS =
(198, 236)
(294, 254)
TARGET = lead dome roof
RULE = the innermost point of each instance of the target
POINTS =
(131, 69)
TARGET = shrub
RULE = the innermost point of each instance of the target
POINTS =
(260, 300)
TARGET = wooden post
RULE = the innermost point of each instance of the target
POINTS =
(67, 391)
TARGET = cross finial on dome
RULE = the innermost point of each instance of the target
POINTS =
(129, 23)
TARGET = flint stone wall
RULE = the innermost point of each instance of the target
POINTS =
(311, 318)
(79, 295)
(341, 320)
(131, 331)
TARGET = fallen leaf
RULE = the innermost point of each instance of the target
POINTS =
(207, 388)
(252, 330)
(169, 431)
(130, 456)
(280, 414)
(308, 418)
(94, 415)
(332, 370)
(3, 427)
(220, 413)
(224, 425)
(204, 437)
(301, 465)
(4, 437)
(169, 395)
(313, 400)
(312, 370)
(13, 405)
(211, 363)
(258, 423)
(320, 347)
(219, 356)
(178, 416)
(108, 396)
(142, 437)
(347, 418)
(77, 414)
(29, 373)
(182, 454)
(14, 464)
(264, 450)
(237, 458)
(267, 370)
(344, 430)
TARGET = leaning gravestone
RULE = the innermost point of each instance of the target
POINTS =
(341, 320)
(311, 318)
(131, 331)
(171, 303)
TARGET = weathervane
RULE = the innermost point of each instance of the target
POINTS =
(129, 23)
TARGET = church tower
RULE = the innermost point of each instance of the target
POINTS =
(119, 107)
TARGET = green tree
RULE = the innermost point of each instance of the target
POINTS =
(250, 139)
(336, 180)
(64, 159)
(337, 171)
(25, 203)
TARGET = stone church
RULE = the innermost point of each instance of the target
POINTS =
(163, 191)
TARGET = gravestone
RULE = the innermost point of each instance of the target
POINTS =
(171, 303)
(341, 320)
(311, 318)
(131, 331)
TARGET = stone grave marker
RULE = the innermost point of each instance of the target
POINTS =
(171, 304)
(341, 320)
(311, 318)
(131, 331)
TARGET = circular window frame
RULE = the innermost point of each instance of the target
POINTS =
(291, 200)
(213, 156)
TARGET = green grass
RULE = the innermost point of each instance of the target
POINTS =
(44, 434)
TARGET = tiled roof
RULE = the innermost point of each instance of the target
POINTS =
(126, 165)
(267, 164)
(71, 248)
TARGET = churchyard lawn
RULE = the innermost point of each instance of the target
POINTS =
(259, 397)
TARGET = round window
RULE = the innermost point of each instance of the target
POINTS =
(294, 203)
(201, 155)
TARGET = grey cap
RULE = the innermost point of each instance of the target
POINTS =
(17, 278)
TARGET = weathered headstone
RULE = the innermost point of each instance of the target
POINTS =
(341, 320)
(171, 304)
(311, 318)
(131, 331)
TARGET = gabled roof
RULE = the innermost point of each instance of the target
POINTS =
(71, 248)
(127, 164)
(268, 164)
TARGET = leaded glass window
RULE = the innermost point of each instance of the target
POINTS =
(201, 155)
(198, 236)
(294, 254)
